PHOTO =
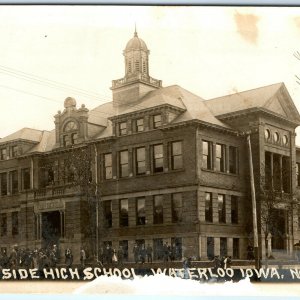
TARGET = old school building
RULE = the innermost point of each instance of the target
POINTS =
(155, 165)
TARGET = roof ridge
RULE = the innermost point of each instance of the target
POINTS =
(245, 91)
(41, 130)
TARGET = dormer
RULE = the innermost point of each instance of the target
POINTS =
(71, 125)
(19, 143)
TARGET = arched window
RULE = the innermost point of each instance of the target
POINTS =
(70, 126)
(137, 66)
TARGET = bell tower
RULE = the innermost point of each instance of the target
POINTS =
(136, 58)
(137, 81)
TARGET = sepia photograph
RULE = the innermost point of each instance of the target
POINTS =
(150, 149)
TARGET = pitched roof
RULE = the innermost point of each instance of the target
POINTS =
(274, 98)
(99, 114)
(29, 134)
(193, 106)
(168, 95)
(196, 108)
(46, 144)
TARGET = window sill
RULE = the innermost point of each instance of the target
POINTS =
(221, 223)
(147, 225)
(10, 195)
(219, 172)
(143, 175)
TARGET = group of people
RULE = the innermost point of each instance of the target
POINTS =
(141, 253)
(165, 253)
(223, 262)
(297, 251)
(48, 257)
(110, 255)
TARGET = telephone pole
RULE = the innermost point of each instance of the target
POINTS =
(253, 199)
(97, 203)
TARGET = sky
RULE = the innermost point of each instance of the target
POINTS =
(48, 53)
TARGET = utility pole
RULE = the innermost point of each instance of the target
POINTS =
(253, 198)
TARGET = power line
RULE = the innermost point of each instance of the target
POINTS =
(49, 83)
(50, 99)
(54, 84)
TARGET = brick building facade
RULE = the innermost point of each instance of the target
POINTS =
(164, 165)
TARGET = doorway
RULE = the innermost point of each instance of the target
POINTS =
(51, 228)
(278, 229)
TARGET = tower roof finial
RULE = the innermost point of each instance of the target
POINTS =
(135, 33)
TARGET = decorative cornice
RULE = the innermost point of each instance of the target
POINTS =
(202, 124)
(254, 110)
(141, 112)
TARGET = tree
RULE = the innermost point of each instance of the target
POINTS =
(274, 193)
(297, 55)
(77, 171)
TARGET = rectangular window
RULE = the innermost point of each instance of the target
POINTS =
(123, 246)
(15, 223)
(236, 248)
(3, 179)
(277, 172)
(74, 138)
(66, 140)
(140, 161)
(123, 164)
(123, 128)
(234, 209)
(14, 182)
(140, 211)
(107, 206)
(286, 174)
(69, 173)
(158, 210)
(26, 179)
(176, 155)
(140, 249)
(3, 154)
(221, 209)
(158, 158)
(124, 213)
(207, 155)
(208, 207)
(298, 216)
(176, 248)
(210, 247)
(14, 151)
(3, 224)
(139, 125)
(158, 249)
(177, 208)
(233, 160)
(156, 121)
(268, 171)
(108, 166)
(223, 246)
(220, 157)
